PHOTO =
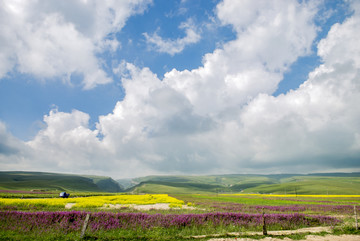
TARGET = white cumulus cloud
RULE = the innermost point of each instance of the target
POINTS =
(57, 38)
(174, 46)
(270, 41)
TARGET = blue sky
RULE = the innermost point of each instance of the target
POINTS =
(28, 98)
(178, 86)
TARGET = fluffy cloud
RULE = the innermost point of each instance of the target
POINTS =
(221, 117)
(317, 124)
(58, 38)
(267, 43)
(176, 46)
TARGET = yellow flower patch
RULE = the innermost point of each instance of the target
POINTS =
(95, 201)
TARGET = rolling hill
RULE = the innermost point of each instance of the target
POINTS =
(57, 182)
(322, 183)
(315, 183)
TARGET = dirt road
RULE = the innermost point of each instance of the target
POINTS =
(328, 237)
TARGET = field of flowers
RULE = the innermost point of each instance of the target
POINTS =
(212, 214)
(289, 203)
(339, 205)
(91, 202)
(73, 220)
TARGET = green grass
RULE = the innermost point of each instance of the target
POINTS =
(134, 236)
(155, 236)
(219, 181)
(275, 184)
(175, 188)
(335, 184)
(158, 188)
(248, 200)
(266, 200)
(311, 185)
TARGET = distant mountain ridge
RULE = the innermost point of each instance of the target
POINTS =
(313, 183)
(18, 180)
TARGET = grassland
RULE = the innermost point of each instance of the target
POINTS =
(311, 185)
(325, 184)
(262, 200)
(216, 205)
(212, 214)
(330, 184)
(41, 181)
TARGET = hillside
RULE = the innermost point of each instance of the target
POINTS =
(328, 183)
(322, 183)
(57, 182)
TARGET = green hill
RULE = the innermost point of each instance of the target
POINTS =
(322, 183)
(312, 185)
(56, 182)
(174, 187)
(328, 183)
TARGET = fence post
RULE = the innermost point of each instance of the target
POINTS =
(85, 225)
(264, 222)
(356, 220)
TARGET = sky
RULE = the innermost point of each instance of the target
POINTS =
(141, 87)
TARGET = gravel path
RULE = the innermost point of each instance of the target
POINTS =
(69, 205)
(308, 238)
(328, 237)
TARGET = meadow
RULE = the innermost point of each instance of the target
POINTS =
(56, 182)
(90, 202)
(113, 216)
(285, 184)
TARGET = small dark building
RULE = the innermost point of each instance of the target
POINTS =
(64, 195)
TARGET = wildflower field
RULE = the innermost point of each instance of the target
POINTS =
(47, 218)
(90, 202)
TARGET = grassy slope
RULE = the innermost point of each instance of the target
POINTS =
(175, 188)
(106, 184)
(55, 182)
(199, 184)
(312, 185)
(279, 184)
